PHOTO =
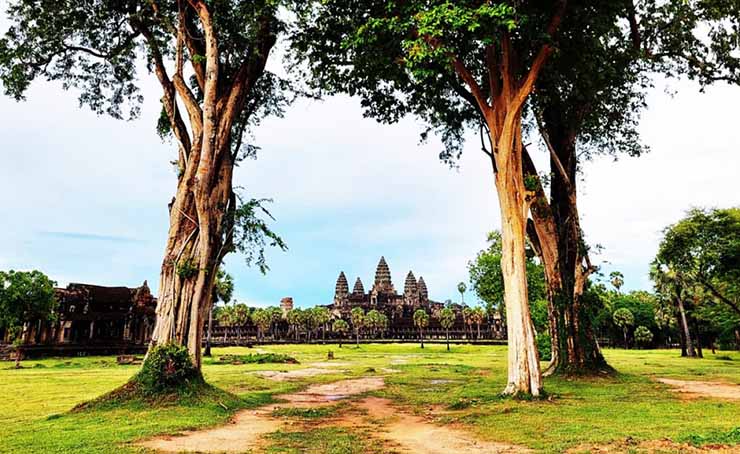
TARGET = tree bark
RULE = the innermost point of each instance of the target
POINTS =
(202, 211)
(557, 238)
(684, 326)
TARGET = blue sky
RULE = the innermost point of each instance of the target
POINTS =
(84, 198)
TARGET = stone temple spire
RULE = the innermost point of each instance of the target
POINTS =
(359, 289)
(383, 283)
(382, 274)
(342, 288)
(410, 287)
(423, 292)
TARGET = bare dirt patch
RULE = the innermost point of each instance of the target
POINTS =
(242, 433)
(397, 431)
(246, 429)
(329, 393)
(414, 434)
(692, 389)
(283, 375)
(630, 446)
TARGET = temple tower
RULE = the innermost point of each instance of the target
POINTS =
(423, 292)
(383, 283)
(411, 290)
(341, 290)
(358, 289)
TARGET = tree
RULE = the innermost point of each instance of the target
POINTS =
(623, 318)
(447, 321)
(373, 321)
(455, 65)
(241, 316)
(276, 315)
(262, 319)
(340, 326)
(461, 287)
(643, 336)
(421, 321)
(478, 315)
(321, 317)
(226, 318)
(25, 297)
(383, 324)
(704, 249)
(224, 91)
(308, 321)
(223, 289)
(358, 322)
(668, 287)
(467, 315)
(617, 279)
(294, 318)
(487, 279)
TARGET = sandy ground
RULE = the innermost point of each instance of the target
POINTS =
(703, 388)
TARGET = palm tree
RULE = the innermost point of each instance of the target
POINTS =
(467, 314)
(262, 318)
(321, 317)
(421, 320)
(623, 318)
(383, 324)
(617, 279)
(372, 320)
(358, 320)
(447, 320)
(294, 318)
(226, 318)
(241, 318)
(478, 316)
(276, 314)
(340, 326)
(461, 287)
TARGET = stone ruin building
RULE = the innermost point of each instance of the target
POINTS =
(400, 308)
(92, 319)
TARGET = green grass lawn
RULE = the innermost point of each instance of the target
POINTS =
(35, 403)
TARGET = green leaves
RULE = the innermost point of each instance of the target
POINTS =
(25, 296)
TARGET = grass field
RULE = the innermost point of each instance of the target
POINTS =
(35, 403)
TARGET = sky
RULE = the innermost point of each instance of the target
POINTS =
(84, 198)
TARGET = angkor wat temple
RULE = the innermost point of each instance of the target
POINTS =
(400, 308)
(95, 319)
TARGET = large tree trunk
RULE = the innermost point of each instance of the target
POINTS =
(557, 237)
(202, 212)
(192, 256)
(524, 376)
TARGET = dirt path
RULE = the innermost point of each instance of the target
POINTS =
(247, 427)
(414, 434)
(703, 388)
(400, 432)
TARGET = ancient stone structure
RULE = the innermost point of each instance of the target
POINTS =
(286, 305)
(96, 319)
(399, 308)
